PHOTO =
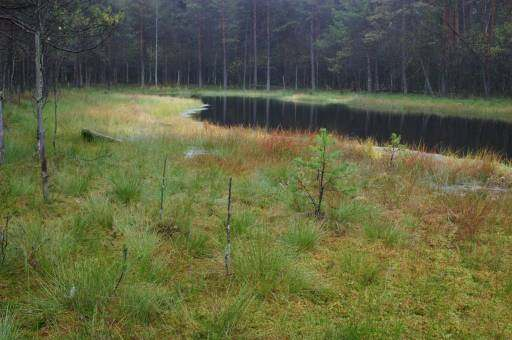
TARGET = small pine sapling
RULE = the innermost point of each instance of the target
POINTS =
(395, 145)
(321, 173)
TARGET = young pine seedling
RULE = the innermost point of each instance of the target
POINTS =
(321, 173)
(395, 144)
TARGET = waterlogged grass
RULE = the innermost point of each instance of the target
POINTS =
(492, 108)
(398, 257)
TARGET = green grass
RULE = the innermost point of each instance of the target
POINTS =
(8, 328)
(303, 236)
(475, 107)
(389, 261)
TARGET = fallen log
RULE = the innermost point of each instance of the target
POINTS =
(91, 136)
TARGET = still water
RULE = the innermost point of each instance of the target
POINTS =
(436, 133)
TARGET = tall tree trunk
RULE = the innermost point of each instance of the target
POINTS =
(490, 28)
(403, 56)
(141, 46)
(215, 68)
(377, 78)
(245, 63)
(2, 141)
(200, 53)
(268, 45)
(156, 41)
(55, 103)
(39, 97)
(188, 74)
(312, 53)
(369, 72)
(255, 42)
(224, 52)
(296, 77)
(428, 86)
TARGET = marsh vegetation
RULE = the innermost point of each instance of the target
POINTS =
(392, 254)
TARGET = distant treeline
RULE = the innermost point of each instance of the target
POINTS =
(423, 46)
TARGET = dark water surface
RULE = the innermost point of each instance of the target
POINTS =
(436, 133)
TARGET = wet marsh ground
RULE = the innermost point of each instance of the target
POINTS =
(399, 256)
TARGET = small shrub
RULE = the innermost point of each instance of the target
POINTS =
(126, 188)
(319, 174)
(470, 215)
(395, 145)
(303, 237)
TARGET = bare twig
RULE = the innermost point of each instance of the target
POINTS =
(227, 255)
(309, 196)
(4, 240)
(162, 190)
(123, 269)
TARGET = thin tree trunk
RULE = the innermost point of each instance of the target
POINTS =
(200, 50)
(55, 104)
(39, 96)
(369, 72)
(255, 43)
(312, 54)
(245, 63)
(428, 86)
(296, 77)
(268, 45)
(377, 78)
(156, 41)
(13, 69)
(215, 68)
(2, 141)
(141, 47)
(405, 88)
(188, 73)
(224, 53)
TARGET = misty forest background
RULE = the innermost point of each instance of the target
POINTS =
(439, 47)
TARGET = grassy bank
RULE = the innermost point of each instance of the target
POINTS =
(402, 254)
(492, 108)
